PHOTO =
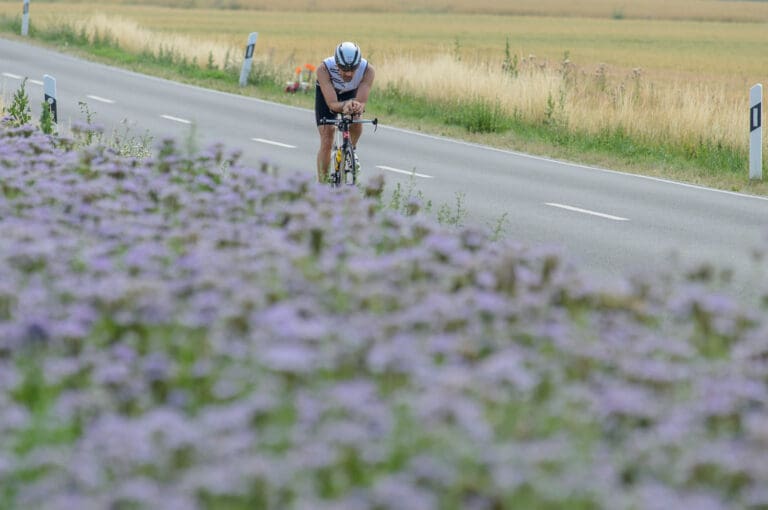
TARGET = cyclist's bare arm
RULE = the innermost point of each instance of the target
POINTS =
(326, 87)
(363, 90)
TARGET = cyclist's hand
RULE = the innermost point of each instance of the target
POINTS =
(349, 107)
(358, 108)
(353, 107)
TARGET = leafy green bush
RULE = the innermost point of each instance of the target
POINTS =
(19, 109)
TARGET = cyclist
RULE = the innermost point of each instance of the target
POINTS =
(343, 84)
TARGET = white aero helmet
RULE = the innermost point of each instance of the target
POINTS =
(347, 56)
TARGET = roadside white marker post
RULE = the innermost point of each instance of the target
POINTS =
(246, 69)
(25, 19)
(49, 89)
(756, 132)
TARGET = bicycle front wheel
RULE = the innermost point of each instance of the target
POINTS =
(350, 172)
(338, 166)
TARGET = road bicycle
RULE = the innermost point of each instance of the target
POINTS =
(343, 154)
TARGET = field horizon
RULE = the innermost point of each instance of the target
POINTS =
(750, 11)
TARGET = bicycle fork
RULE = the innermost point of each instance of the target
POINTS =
(337, 168)
(348, 158)
(343, 163)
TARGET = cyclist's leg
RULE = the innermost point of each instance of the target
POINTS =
(355, 130)
(324, 153)
(326, 135)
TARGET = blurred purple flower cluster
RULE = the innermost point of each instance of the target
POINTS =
(177, 336)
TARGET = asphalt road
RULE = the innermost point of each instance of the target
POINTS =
(610, 223)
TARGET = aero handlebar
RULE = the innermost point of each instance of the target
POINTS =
(348, 120)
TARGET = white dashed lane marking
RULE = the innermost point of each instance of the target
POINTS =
(101, 99)
(587, 211)
(17, 77)
(176, 119)
(272, 142)
(406, 172)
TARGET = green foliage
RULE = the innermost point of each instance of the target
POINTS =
(65, 34)
(549, 111)
(393, 99)
(410, 202)
(478, 116)
(263, 73)
(123, 142)
(711, 157)
(498, 227)
(555, 116)
(12, 24)
(457, 49)
(567, 68)
(127, 144)
(47, 125)
(88, 135)
(167, 55)
(511, 62)
(106, 39)
(601, 78)
(453, 216)
(19, 111)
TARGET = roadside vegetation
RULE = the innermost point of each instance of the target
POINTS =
(679, 113)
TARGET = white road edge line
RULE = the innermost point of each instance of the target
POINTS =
(101, 99)
(272, 142)
(406, 172)
(176, 119)
(586, 211)
(566, 163)
(35, 82)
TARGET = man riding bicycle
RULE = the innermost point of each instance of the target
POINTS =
(343, 85)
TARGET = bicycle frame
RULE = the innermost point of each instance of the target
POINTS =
(343, 154)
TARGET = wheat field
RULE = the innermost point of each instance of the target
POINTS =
(706, 49)
(657, 79)
(696, 10)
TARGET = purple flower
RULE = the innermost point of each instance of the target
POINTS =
(170, 332)
(290, 357)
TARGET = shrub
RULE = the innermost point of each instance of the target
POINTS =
(19, 110)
